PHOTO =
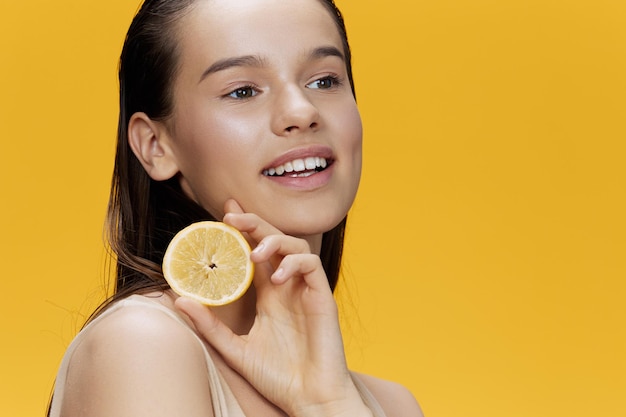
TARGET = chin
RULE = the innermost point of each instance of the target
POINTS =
(309, 226)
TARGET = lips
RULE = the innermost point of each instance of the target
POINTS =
(298, 167)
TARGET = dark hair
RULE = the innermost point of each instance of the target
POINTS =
(143, 214)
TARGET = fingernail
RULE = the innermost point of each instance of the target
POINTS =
(279, 273)
(259, 248)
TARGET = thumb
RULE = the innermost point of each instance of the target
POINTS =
(213, 330)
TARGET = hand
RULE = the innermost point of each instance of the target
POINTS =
(294, 354)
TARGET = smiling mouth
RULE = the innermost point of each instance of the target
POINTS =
(298, 168)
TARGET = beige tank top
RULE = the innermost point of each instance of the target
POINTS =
(224, 402)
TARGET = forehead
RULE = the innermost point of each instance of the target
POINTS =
(215, 29)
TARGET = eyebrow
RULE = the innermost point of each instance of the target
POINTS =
(226, 63)
(256, 61)
(325, 51)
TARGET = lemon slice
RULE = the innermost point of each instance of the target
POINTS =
(209, 262)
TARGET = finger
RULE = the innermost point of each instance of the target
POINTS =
(232, 206)
(251, 224)
(271, 252)
(279, 245)
(307, 266)
(222, 338)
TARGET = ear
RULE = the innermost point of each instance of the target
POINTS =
(150, 141)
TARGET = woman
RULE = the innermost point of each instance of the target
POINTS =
(224, 104)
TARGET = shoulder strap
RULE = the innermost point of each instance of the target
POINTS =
(224, 402)
(367, 397)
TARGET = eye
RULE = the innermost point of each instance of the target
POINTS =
(325, 83)
(243, 92)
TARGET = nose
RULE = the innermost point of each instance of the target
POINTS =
(294, 112)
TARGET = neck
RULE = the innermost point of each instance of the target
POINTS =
(315, 243)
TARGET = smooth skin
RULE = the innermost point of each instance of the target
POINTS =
(278, 92)
(294, 309)
(253, 90)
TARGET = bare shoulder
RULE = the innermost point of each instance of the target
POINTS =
(137, 361)
(395, 399)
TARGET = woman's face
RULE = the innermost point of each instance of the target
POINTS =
(264, 114)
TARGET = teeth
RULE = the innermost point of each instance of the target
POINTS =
(298, 166)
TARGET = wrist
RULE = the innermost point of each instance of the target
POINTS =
(352, 406)
(325, 411)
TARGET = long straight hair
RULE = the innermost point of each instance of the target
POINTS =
(143, 214)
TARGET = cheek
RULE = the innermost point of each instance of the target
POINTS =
(352, 147)
(215, 163)
(354, 132)
(357, 147)
(203, 140)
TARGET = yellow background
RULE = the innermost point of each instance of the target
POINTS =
(485, 263)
